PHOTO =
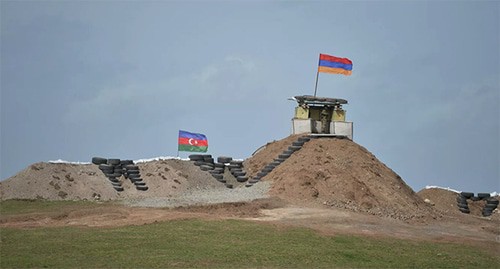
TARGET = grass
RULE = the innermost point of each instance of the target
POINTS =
(223, 244)
(16, 207)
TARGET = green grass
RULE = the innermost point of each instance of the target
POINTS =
(215, 244)
(223, 244)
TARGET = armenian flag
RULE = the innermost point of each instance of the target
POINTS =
(334, 65)
(192, 142)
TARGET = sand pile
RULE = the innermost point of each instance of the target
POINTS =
(62, 181)
(340, 173)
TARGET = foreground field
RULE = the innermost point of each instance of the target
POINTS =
(218, 243)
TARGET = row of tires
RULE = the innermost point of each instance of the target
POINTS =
(296, 145)
(217, 169)
(114, 169)
(490, 205)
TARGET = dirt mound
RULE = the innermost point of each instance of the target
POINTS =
(62, 181)
(446, 202)
(338, 172)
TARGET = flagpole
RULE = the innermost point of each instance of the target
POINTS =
(316, 87)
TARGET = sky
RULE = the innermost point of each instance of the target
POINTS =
(119, 79)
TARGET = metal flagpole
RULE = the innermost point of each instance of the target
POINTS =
(316, 87)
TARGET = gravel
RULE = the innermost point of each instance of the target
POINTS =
(205, 196)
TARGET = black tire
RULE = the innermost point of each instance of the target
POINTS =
(113, 161)
(235, 170)
(196, 157)
(303, 139)
(297, 144)
(99, 160)
(463, 205)
(224, 159)
(140, 183)
(464, 210)
(261, 174)
(486, 213)
(219, 170)
(234, 166)
(209, 160)
(475, 198)
(119, 184)
(237, 162)
(294, 148)
(221, 180)
(283, 156)
(229, 185)
(126, 162)
(133, 176)
(461, 199)
(118, 188)
(492, 201)
(132, 172)
(214, 172)
(113, 179)
(288, 152)
(267, 169)
(131, 167)
(206, 167)
(483, 195)
(241, 178)
(219, 165)
(253, 181)
(218, 176)
(199, 163)
(275, 163)
(142, 188)
(467, 195)
(490, 206)
(106, 167)
(135, 179)
(240, 174)
(116, 175)
(248, 184)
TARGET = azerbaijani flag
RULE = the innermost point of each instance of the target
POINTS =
(192, 142)
(334, 65)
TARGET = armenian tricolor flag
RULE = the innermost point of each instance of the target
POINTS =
(192, 142)
(334, 65)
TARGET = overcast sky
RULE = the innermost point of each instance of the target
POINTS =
(119, 79)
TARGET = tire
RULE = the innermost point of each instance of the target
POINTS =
(133, 176)
(218, 176)
(209, 160)
(221, 180)
(142, 188)
(261, 174)
(118, 188)
(475, 198)
(267, 169)
(196, 157)
(199, 163)
(283, 156)
(483, 195)
(131, 167)
(248, 184)
(253, 181)
(241, 178)
(132, 172)
(113, 161)
(206, 167)
(235, 170)
(135, 179)
(237, 162)
(104, 166)
(304, 139)
(239, 174)
(112, 179)
(219, 165)
(463, 205)
(224, 159)
(229, 185)
(219, 170)
(467, 195)
(119, 184)
(214, 172)
(492, 200)
(490, 206)
(275, 163)
(99, 160)
(294, 148)
(116, 175)
(233, 166)
(288, 152)
(297, 144)
(461, 199)
(464, 210)
(126, 162)
(486, 213)
(140, 183)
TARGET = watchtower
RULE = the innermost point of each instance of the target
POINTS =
(321, 116)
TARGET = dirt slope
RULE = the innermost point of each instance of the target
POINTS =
(340, 173)
(60, 181)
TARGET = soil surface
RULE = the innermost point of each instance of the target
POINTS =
(330, 185)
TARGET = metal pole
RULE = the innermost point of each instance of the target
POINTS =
(316, 87)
